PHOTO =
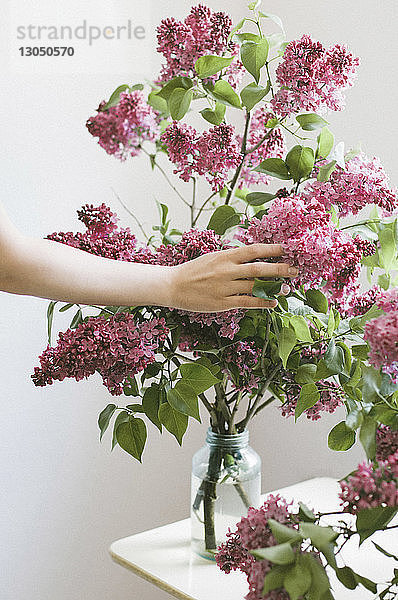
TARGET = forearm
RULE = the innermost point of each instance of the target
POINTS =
(52, 270)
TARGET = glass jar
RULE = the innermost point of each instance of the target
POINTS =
(226, 480)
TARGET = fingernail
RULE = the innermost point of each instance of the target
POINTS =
(285, 289)
(293, 271)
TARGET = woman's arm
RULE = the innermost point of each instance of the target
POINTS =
(213, 282)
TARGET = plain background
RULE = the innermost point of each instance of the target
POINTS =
(65, 497)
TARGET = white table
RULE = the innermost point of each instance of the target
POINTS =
(163, 557)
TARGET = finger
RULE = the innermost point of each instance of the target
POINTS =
(250, 302)
(263, 269)
(241, 286)
(253, 251)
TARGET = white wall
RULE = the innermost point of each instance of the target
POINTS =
(64, 497)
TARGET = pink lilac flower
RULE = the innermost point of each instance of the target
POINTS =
(102, 236)
(312, 77)
(358, 304)
(241, 359)
(388, 300)
(382, 336)
(114, 347)
(121, 129)
(202, 32)
(331, 397)
(386, 442)
(373, 484)
(253, 532)
(212, 154)
(311, 241)
(274, 146)
(362, 182)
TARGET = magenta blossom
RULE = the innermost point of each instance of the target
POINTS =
(312, 77)
(382, 336)
(114, 347)
(362, 182)
(386, 442)
(331, 397)
(372, 485)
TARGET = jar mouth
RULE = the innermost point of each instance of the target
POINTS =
(222, 440)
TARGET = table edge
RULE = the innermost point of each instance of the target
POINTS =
(148, 577)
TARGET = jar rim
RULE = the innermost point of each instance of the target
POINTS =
(234, 440)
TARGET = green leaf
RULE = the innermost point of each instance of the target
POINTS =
(367, 583)
(282, 533)
(274, 578)
(151, 403)
(380, 549)
(224, 217)
(131, 388)
(370, 384)
(131, 436)
(311, 121)
(306, 514)
(370, 520)
(322, 538)
(319, 580)
(286, 342)
(275, 167)
(104, 418)
(354, 419)
(115, 97)
(325, 143)
(182, 397)
(50, 319)
(66, 307)
(300, 326)
(266, 289)
(199, 377)
(347, 577)
(225, 93)
(174, 421)
(239, 38)
(277, 20)
(258, 198)
(216, 116)
(360, 351)
(179, 103)
(325, 171)
(300, 161)
(317, 300)
(282, 554)
(170, 86)
(77, 319)
(309, 396)
(331, 323)
(254, 56)
(305, 373)
(297, 580)
(367, 436)
(158, 103)
(253, 93)
(206, 66)
(341, 438)
(334, 358)
(388, 248)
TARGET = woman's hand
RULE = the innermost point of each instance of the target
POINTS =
(224, 280)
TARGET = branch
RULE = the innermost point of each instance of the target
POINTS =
(240, 167)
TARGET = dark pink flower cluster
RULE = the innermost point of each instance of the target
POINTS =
(382, 336)
(212, 154)
(386, 442)
(331, 397)
(357, 304)
(312, 77)
(372, 484)
(241, 359)
(388, 300)
(311, 241)
(363, 181)
(102, 237)
(114, 347)
(202, 32)
(253, 532)
(274, 146)
(121, 129)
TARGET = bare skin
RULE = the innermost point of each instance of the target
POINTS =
(213, 282)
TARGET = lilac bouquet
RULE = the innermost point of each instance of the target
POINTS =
(277, 176)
